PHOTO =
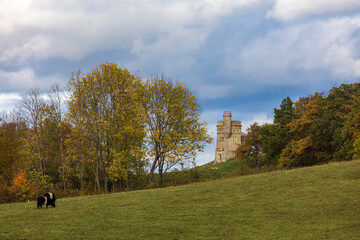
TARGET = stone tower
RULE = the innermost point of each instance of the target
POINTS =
(228, 138)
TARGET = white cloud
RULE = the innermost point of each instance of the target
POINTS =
(287, 10)
(25, 79)
(13, 80)
(72, 29)
(8, 101)
(260, 118)
(329, 46)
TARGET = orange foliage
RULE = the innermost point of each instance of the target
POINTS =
(21, 185)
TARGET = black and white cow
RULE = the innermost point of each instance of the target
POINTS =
(47, 199)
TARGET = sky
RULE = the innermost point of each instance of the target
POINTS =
(242, 56)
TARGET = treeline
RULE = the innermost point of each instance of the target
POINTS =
(114, 134)
(316, 129)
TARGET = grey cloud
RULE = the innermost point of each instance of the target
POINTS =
(25, 79)
(289, 10)
(72, 30)
(329, 46)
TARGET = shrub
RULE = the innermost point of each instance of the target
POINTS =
(21, 185)
(7, 194)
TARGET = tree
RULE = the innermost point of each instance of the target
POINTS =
(251, 148)
(12, 131)
(21, 185)
(277, 135)
(349, 135)
(80, 152)
(308, 145)
(56, 115)
(104, 104)
(342, 109)
(175, 133)
(285, 114)
(33, 111)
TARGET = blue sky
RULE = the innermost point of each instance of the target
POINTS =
(242, 56)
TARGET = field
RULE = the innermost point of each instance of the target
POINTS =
(321, 202)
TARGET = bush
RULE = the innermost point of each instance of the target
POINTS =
(21, 185)
(39, 185)
(245, 169)
(7, 194)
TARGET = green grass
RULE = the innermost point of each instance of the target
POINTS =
(321, 202)
(225, 169)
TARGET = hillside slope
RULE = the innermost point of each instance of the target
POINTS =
(321, 202)
(225, 169)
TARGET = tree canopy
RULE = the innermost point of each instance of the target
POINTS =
(315, 129)
(116, 131)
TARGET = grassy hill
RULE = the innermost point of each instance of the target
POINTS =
(225, 169)
(321, 202)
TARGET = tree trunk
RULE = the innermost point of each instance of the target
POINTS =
(161, 169)
(151, 172)
(82, 175)
(97, 181)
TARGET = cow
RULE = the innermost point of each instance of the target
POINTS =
(47, 199)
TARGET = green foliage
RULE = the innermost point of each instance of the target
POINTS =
(314, 130)
(285, 114)
(251, 148)
(321, 130)
(276, 136)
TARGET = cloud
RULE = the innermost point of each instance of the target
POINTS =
(13, 80)
(285, 56)
(73, 29)
(260, 118)
(8, 101)
(25, 79)
(288, 10)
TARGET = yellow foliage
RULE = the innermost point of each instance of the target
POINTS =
(21, 185)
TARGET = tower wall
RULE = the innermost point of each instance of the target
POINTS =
(228, 138)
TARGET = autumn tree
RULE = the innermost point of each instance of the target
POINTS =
(342, 109)
(174, 131)
(32, 107)
(12, 158)
(21, 185)
(251, 148)
(80, 152)
(104, 105)
(308, 145)
(56, 117)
